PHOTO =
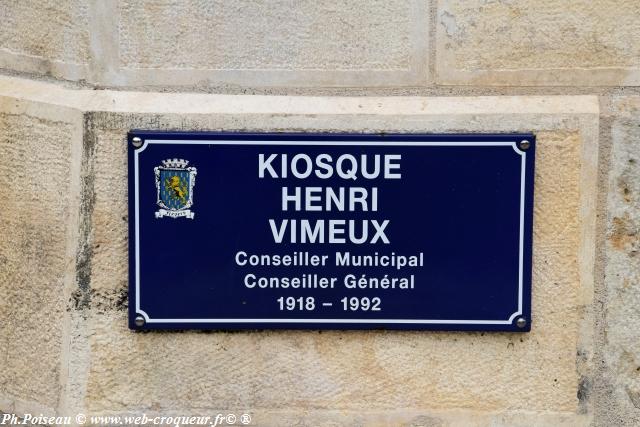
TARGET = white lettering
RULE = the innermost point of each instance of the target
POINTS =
(262, 166)
(347, 166)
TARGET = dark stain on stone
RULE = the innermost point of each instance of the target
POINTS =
(581, 355)
(626, 193)
(122, 302)
(100, 302)
(623, 233)
(113, 300)
(82, 296)
(584, 391)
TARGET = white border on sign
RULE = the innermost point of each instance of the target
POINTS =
(511, 144)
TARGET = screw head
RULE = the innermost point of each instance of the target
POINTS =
(524, 144)
(521, 322)
(139, 321)
(137, 142)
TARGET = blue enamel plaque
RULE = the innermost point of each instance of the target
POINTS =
(330, 231)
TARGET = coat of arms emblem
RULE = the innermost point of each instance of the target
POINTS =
(174, 185)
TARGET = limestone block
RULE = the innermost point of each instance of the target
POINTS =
(280, 42)
(547, 42)
(36, 251)
(621, 402)
(48, 37)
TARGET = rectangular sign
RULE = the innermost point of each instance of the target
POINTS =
(330, 231)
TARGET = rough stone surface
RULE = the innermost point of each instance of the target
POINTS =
(248, 44)
(332, 43)
(575, 42)
(204, 43)
(621, 393)
(250, 35)
(36, 195)
(54, 30)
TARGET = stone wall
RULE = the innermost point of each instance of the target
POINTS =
(76, 76)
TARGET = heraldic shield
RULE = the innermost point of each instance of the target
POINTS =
(174, 185)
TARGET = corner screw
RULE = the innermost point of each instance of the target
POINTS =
(139, 321)
(524, 144)
(137, 142)
(521, 322)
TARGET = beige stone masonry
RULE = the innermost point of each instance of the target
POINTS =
(98, 365)
(45, 37)
(331, 43)
(39, 160)
(621, 354)
(275, 43)
(538, 43)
